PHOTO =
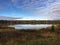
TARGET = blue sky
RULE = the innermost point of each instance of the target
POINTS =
(31, 9)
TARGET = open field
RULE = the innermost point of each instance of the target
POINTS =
(30, 37)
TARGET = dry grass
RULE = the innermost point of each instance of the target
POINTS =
(29, 37)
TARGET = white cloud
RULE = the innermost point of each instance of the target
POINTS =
(50, 12)
(31, 4)
(50, 9)
(54, 11)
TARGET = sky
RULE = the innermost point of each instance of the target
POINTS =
(31, 9)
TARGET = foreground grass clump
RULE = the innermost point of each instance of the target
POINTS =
(29, 37)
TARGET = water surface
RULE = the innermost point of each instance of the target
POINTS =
(29, 26)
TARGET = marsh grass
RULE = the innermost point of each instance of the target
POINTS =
(29, 37)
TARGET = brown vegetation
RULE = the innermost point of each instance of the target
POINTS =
(29, 37)
(44, 36)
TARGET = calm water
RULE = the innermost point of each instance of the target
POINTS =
(29, 26)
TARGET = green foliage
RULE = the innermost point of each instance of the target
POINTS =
(52, 28)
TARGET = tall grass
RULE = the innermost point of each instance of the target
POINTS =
(29, 37)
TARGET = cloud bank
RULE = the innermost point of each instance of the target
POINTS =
(51, 12)
(43, 9)
(31, 4)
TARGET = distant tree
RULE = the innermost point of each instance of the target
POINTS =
(52, 28)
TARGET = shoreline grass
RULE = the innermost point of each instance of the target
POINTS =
(29, 37)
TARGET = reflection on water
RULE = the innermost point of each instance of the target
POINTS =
(29, 26)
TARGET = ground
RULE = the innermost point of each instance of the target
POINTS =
(29, 37)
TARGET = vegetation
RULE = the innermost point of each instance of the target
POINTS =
(52, 28)
(44, 36)
(11, 22)
(29, 37)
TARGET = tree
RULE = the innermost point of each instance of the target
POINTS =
(52, 28)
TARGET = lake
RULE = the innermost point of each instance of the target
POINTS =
(30, 26)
